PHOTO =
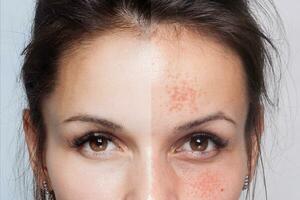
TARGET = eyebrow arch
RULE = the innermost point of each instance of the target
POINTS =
(96, 120)
(213, 117)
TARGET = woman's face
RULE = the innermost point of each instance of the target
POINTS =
(160, 117)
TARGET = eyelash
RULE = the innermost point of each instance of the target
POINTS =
(78, 143)
(219, 142)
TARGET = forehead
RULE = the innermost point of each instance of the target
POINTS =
(182, 75)
(201, 76)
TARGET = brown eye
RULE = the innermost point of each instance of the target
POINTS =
(98, 143)
(201, 146)
(199, 143)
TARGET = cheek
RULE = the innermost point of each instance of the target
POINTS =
(208, 183)
(74, 178)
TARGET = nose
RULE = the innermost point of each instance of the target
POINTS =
(152, 178)
(163, 184)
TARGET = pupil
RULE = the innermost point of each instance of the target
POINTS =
(98, 143)
(199, 143)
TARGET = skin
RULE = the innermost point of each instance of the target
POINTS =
(151, 88)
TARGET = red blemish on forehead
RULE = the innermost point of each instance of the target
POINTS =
(182, 95)
(182, 92)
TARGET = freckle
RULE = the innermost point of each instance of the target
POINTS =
(222, 189)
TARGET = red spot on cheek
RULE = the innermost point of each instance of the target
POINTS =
(207, 186)
(210, 186)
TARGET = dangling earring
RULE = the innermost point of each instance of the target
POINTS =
(46, 194)
(246, 183)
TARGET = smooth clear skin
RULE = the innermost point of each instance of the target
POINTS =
(152, 90)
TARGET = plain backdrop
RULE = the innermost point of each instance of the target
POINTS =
(282, 146)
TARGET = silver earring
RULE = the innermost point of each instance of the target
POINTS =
(45, 188)
(246, 183)
(47, 195)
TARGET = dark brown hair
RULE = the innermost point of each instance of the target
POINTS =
(60, 24)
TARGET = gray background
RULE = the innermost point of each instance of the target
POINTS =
(282, 145)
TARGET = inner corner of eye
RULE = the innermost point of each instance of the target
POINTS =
(178, 148)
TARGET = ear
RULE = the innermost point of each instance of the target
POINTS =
(31, 141)
(256, 136)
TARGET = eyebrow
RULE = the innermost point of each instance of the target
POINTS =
(185, 127)
(213, 117)
(96, 120)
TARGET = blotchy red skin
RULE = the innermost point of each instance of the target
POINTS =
(181, 92)
(207, 185)
(182, 95)
(200, 183)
